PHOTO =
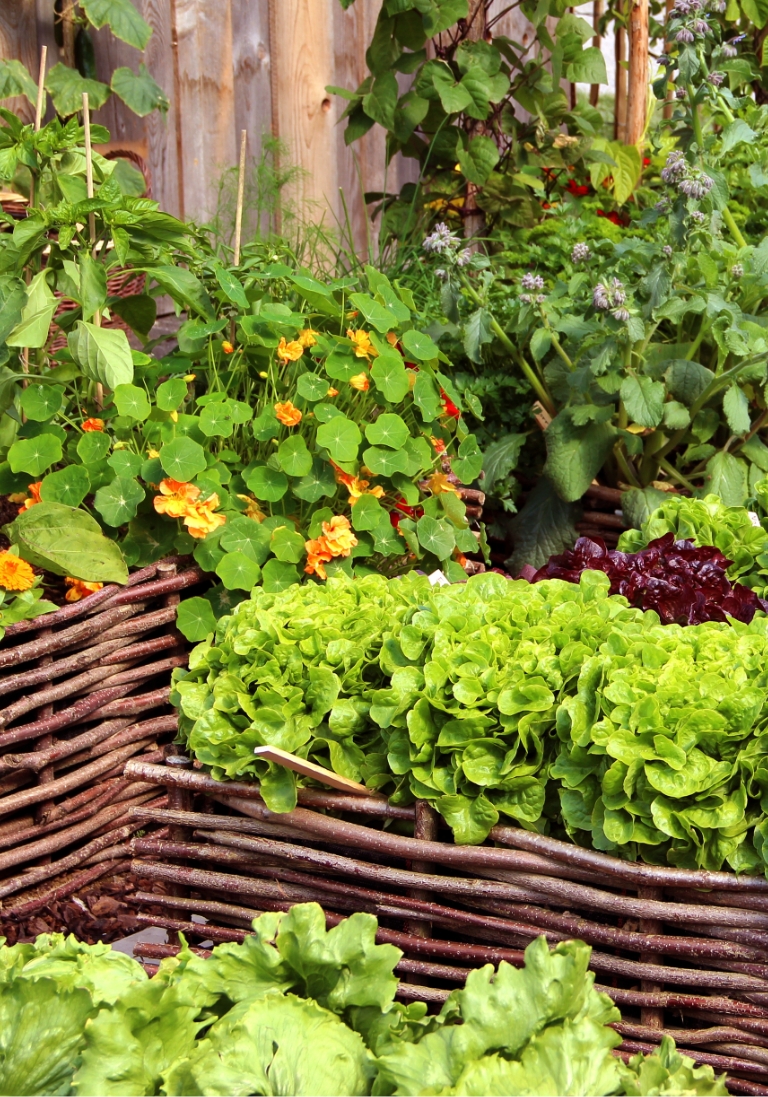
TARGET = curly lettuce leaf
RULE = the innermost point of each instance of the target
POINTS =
(667, 1073)
(277, 1044)
(103, 972)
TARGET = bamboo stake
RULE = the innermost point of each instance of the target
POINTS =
(637, 89)
(597, 41)
(240, 194)
(99, 392)
(669, 100)
(40, 90)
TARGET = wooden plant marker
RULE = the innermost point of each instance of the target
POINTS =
(310, 769)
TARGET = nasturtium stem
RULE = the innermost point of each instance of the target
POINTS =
(625, 466)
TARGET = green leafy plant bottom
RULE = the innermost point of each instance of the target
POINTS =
(299, 1010)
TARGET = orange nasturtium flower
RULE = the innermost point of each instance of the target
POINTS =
(78, 589)
(332, 392)
(392, 338)
(227, 347)
(337, 539)
(438, 443)
(252, 508)
(287, 414)
(289, 352)
(15, 573)
(439, 482)
(360, 382)
(34, 497)
(363, 346)
(179, 499)
(307, 337)
(93, 424)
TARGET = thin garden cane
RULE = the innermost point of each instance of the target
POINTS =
(99, 390)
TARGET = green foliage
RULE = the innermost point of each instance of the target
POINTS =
(66, 541)
(300, 1010)
(555, 705)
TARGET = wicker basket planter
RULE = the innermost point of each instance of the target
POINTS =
(680, 951)
(82, 690)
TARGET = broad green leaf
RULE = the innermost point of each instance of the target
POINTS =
(195, 619)
(232, 288)
(41, 402)
(341, 437)
(436, 536)
(246, 536)
(575, 455)
(266, 483)
(385, 462)
(478, 159)
(67, 542)
(93, 285)
(426, 397)
(544, 527)
(118, 501)
(183, 287)
(368, 513)
(637, 506)
(644, 400)
(736, 133)
(312, 387)
(736, 408)
(35, 455)
(287, 545)
(69, 486)
(629, 165)
(122, 18)
(132, 401)
(15, 80)
(687, 380)
(419, 346)
(126, 463)
(499, 460)
(139, 312)
(103, 354)
(378, 316)
(391, 377)
(588, 67)
(36, 315)
(67, 87)
(277, 576)
(318, 482)
(92, 447)
(139, 91)
(726, 477)
(477, 332)
(238, 571)
(294, 457)
(387, 430)
(171, 394)
(470, 819)
(183, 459)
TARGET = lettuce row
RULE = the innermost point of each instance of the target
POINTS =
(555, 705)
(299, 1010)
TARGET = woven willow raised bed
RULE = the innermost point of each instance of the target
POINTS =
(680, 952)
(82, 690)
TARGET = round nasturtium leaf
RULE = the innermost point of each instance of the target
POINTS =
(391, 377)
(209, 551)
(341, 437)
(170, 394)
(368, 513)
(266, 484)
(195, 619)
(125, 462)
(287, 545)
(118, 502)
(436, 536)
(246, 536)
(238, 571)
(265, 426)
(318, 482)
(384, 462)
(93, 447)
(183, 459)
(294, 457)
(420, 346)
(312, 387)
(277, 576)
(132, 401)
(240, 411)
(388, 430)
(216, 420)
(40, 402)
(325, 412)
(342, 364)
(35, 455)
(68, 486)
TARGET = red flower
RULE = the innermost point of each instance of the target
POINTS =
(646, 161)
(449, 408)
(576, 189)
(404, 510)
(613, 217)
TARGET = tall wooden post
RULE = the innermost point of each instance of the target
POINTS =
(620, 97)
(597, 41)
(474, 218)
(637, 91)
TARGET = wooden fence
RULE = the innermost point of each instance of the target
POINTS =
(229, 65)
